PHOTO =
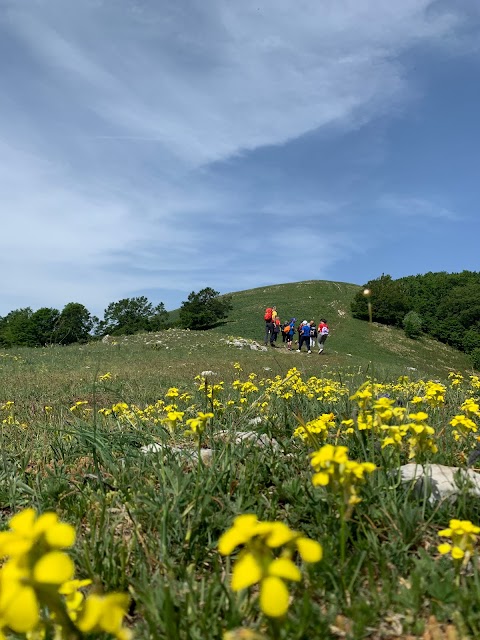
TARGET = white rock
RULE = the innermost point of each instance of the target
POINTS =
(190, 454)
(151, 448)
(259, 439)
(440, 482)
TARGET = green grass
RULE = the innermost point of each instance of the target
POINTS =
(150, 524)
(351, 342)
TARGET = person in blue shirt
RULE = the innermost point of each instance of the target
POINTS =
(304, 337)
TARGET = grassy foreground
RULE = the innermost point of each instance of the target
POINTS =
(75, 420)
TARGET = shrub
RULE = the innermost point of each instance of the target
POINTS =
(475, 355)
(412, 324)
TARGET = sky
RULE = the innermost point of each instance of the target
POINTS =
(157, 147)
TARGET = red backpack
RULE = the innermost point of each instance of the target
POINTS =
(268, 314)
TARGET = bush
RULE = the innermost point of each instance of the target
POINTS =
(205, 309)
(412, 324)
(475, 355)
(471, 340)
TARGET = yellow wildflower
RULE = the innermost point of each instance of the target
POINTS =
(258, 562)
(335, 471)
(463, 535)
(105, 613)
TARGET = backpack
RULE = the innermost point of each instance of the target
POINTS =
(268, 314)
(286, 328)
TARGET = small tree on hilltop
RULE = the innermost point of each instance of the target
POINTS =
(412, 324)
(205, 309)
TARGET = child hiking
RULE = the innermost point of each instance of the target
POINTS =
(289, 332)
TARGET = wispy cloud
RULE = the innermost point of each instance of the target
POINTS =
(410, 207)
(119, 119)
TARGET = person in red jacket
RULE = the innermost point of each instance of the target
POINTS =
(322, 333)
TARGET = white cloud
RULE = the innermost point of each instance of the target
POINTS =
(251, 76)
(116, 113)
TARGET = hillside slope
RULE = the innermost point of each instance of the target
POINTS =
(351, 341)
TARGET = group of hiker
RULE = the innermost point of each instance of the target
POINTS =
(308, 333)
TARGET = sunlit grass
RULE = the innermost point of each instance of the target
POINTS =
(75, 423)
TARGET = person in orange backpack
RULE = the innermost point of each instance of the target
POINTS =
(290, 333)
(270, 325)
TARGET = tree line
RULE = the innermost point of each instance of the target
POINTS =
(74, 323)
(445, 306)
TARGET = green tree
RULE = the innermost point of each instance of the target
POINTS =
(412, 324)
(471, 340)
(16, 328)
(205, 309)
(475, 356)
(159, 320)
(45, 322)
(388, 298)
(75, 324)
(131, 315)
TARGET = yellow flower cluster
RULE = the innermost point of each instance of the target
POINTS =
(463, 535)
(7, 415)
(434, 393)
(463, 426)
(197, 425)
(317, 429)
(421, 441)
(37, 589)
(382, 408)
(340, 475)
(266, 559)
(456, 379)
(81, 408)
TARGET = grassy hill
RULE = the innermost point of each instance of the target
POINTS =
(144, 363)
(351, 342)
(98, 434)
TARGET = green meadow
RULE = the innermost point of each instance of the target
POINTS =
(152, 445)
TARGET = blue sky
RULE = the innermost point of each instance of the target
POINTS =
(156, 147)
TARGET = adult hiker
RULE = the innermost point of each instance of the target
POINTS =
(313, 334)
(304, 337)
(270, 325)
(323, 332)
